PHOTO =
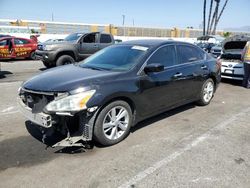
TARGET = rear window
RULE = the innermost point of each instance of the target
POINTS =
(20, 41)
(187, 54)
(105, 38)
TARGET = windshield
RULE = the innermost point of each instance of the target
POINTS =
(73, 37)
(115, 58)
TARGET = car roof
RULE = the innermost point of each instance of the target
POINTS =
(13, 37)
(151, 42)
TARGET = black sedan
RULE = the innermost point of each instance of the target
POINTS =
(101, 97)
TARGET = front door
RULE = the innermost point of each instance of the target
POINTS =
(161, 90)
(6, 48)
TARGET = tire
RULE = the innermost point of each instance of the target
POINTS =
(108, 135)
(64, 60)
(207, 92)
(47, 65)
(32, 55)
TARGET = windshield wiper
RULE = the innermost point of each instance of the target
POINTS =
(94, 68)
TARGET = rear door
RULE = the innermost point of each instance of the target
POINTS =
(6, 48)
(22, 47)
(160, 90)
(105, 40)
(193, 70)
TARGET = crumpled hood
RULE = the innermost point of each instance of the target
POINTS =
(68, 78)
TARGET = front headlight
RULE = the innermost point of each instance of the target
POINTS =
(70, 103)
(48, 47)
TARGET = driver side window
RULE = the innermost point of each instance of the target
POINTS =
(165, 56)
(90, 38)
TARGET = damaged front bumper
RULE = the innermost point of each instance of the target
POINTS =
(76, 128)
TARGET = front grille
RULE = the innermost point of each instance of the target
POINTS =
(40, 47)
(236, 67)
(35, 100)
(234, 75)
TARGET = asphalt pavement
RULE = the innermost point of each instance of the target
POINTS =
(190, 146)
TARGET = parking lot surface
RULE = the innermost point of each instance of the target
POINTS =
(190, 146)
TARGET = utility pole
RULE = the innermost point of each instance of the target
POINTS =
(123, 22)
(52, 17)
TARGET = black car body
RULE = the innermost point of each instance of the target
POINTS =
(136, 79)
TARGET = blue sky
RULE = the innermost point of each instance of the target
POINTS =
(152, 13)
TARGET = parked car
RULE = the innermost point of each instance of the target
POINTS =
(16, 47)
(206, 46)
(102, 97)
(216, 50)
(2, 36)
(53, 40)
(74, 48)
(231, 63)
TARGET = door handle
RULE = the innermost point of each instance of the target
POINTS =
(178, 74)
(203, 67)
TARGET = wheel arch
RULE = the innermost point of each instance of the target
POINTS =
(120, 98)
(66, 52)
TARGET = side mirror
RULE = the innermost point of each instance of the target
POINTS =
(154, 68)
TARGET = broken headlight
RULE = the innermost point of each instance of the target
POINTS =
(70, 103)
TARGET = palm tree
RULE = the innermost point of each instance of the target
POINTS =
(218, 17)
(204, 17)
(209, 17)
(215, 15)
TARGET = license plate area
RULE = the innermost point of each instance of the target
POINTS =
(229, 71)
(41, 119)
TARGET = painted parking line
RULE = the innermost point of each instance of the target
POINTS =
(150, 170)
(9, 110)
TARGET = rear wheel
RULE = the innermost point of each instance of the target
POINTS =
(64, 60)
(113, 123)
(207, 92)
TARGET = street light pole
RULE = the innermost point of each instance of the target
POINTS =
(123, 22)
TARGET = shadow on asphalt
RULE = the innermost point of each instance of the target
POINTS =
(161, 116)
(26, 151)
(232, 82)
(4, 73)
(14, 60)
(22, 151)
(156, 118)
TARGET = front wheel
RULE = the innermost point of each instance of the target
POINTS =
(32, 56)
(113, 123)
(64, 60)
(207, 92)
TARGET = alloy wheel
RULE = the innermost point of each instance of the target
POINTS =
(208, 91)
(115, 122)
